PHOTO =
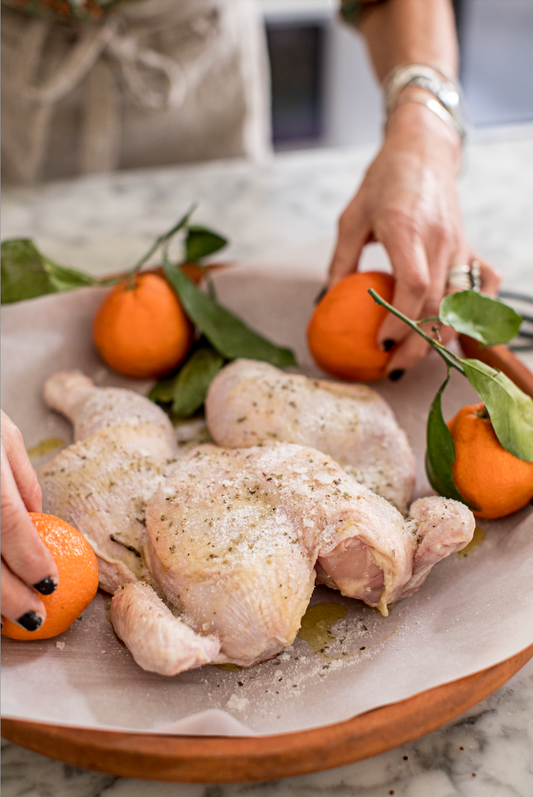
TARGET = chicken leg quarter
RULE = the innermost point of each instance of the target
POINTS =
(251, 402)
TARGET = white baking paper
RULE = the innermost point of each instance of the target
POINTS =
(471, 613)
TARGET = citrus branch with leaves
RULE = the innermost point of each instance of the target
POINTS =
(489, 321)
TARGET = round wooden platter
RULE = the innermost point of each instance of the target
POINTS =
(231, 759)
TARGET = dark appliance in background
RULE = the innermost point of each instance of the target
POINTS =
(324, 94)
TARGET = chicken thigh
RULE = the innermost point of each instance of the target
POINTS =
(231, 540)
(124, 446)
(251, 402)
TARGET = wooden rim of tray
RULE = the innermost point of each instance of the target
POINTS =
(227, 759)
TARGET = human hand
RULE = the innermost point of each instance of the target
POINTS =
(27, 565)
(408, 202)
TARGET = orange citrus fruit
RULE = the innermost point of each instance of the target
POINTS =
(487, 475)
(78, 578)
(141, 329)
(342, 332)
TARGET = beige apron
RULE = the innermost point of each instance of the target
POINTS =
(157, 82)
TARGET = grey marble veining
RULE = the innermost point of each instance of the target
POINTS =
(104, 223)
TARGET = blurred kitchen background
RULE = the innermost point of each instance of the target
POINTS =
(324, 93)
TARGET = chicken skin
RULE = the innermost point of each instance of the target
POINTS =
(124, 446)
(231, 540)
(251, 402)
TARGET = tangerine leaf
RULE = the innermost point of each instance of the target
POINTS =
(163, 390)
(66, 279)
(187, 389)
(230, 336)
(27, 274)
(192, 382)
(440, 451)
(482, 317)
(200, 242)
(510, 409)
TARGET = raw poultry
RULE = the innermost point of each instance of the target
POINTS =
(251, 402)
(232, 540)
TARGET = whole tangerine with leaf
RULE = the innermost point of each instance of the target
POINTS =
(141, 329)
(487, 476)
(78, 578)
(342, 332)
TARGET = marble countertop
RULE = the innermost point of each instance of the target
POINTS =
(103, 223)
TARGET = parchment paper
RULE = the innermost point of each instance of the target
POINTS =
(471, 613)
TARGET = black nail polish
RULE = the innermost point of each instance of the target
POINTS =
(395, 375)
(388, 344)
(31, 621)
(321, 295)
(46, 586)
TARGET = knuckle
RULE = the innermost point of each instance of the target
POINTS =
(402, 221)
(345, 220)
(10, 511)
(416, 282)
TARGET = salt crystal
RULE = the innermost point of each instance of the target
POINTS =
(236, 703)
(324, 477)
(60, 645)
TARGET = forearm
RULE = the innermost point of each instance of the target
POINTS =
(410, 31)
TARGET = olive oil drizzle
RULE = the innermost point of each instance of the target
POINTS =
(316, 627)
(475, 542)
(45, 446)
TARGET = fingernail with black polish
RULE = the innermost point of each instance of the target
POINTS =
(46, 586)
(321, 295)
(31, 621)
(388, 344)
(395, 375)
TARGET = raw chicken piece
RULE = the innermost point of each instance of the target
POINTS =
(101, 484)
(233, 538)
(159, 642)
(251, 402)
(235, 535)
(442, 527)
(92, 408)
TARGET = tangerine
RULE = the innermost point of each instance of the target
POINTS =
(342, 332)
(78, 578)
(485, 473)
(141, 329)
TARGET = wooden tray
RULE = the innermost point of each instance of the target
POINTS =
(215, 759)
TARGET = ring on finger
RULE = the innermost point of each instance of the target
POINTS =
(465, 277)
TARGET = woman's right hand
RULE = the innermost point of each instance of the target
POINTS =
(27, 565)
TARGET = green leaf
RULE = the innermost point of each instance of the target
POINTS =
(187, 389)
(23, 272)
(227, 334)
(26, 273)
(481, 317)
(510, 410)
(201, 242)
(163, 390)
(192, 383)
(66, 279)
(440, 451)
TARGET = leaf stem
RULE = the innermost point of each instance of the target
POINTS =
(427, 320)
(161, 240)
(448, 356)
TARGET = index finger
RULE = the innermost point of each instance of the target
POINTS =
(22, 548)
(20, 465)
